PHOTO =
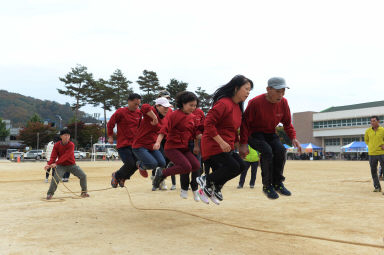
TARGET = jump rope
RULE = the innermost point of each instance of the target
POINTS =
(212, 220)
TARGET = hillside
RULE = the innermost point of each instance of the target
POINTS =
(19, 109)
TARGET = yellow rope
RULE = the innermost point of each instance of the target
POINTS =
(253, 229)
(229, 224)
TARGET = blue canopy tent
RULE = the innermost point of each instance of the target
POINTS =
(310, 147)
(355, 147)
(287, 146)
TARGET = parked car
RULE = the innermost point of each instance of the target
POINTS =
(80, 154)
(34, 154)
(9, 151)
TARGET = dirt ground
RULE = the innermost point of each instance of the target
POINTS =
(332, 211)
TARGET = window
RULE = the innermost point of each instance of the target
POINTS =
(332, 141)
(348, 140)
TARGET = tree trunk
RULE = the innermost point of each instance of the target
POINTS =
(76, 112)
(105, 125)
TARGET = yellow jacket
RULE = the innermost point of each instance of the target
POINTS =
(374, 139)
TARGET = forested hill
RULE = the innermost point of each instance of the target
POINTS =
(19, 109)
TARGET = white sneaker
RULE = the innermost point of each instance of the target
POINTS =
(173, 187)
(196, 196)
(184, 194)
(214, 199)
(163, 186)
(46, 180)
(202, 196)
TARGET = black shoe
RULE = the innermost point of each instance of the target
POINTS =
(239, 186)
(282, 190)
(158, 178)
(217, 192)
(270, 192)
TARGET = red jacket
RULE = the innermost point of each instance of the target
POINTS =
(179, 129)
(64, 153)
(127, 123)
(147, 133)
(199, 120)
(263, 116)
(223, 119)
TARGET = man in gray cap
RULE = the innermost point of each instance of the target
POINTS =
(258, 129)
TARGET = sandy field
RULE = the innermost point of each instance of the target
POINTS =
(332, 211)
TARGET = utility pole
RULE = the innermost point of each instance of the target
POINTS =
(37, 144)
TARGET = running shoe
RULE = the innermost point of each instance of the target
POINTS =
(282, 189)
(217, 192)
(270, 192)
(49, 197)
(163, 186)
(196, 196)
(142, 171)
(84, 194)
(114, 181)
(201, 181)
(121, 183)
(173, 187)
(214, 199)
(184, 194)
(202, 196)
(158, 177)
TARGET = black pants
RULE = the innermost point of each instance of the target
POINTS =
(272, 159)
(47, 172)
(225, 166)
(66, 175)
(253, 166)
(184, 178)
(129, 160)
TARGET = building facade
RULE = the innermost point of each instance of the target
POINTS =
(336, 126)
(10, 142)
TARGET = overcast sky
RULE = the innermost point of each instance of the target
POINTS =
(330, 52)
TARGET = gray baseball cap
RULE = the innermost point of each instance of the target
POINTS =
(277, 83)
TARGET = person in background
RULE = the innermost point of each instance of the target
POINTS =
(48, 156)
(63, 159)
(127, 120)
(374, 138)
(251, 160)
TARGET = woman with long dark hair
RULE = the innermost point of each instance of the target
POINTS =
(220, 134)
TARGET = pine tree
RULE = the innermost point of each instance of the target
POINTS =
(4, 132)
(101, 93)
(175, 87)
(204, 99)
(149, 83)
(77, 86)
(120, 85)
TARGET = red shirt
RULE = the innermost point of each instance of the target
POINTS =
(147, 133)
(263, 116)
(180, 128)
(199, 120)
(223, 119)
(127, 123)
(64, 152)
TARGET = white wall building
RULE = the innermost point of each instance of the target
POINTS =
(338, 126)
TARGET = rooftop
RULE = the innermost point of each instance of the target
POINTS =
(354, 106)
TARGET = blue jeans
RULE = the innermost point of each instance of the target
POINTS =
(149, 159)
(129, 160)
